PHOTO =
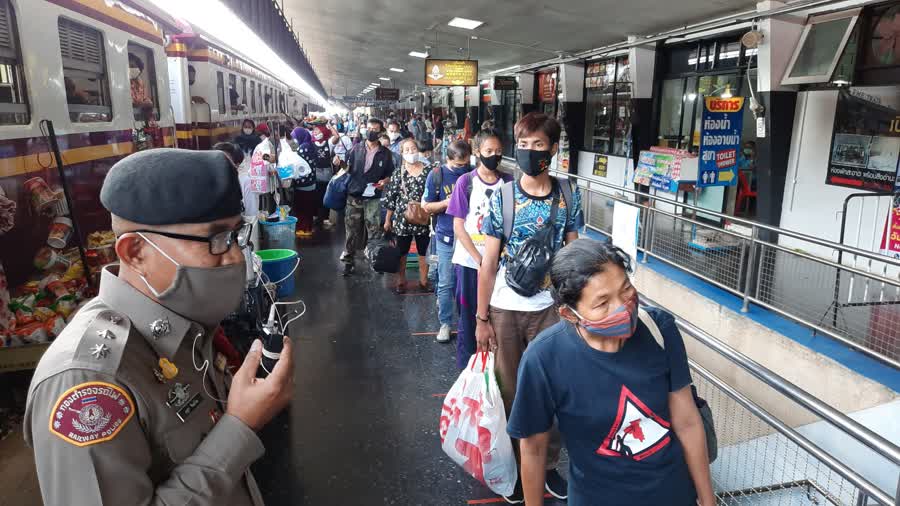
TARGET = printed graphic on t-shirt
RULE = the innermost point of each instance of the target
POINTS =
(480, 212)
(637, 433)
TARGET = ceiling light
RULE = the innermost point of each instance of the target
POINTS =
(468, 24)
(418, 54)
(385, 78)
(218, 21)
(395, 69)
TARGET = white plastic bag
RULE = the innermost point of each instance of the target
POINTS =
(473, 427)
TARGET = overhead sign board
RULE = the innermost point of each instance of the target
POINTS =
(451, 72)
(720, 141)
(502, 83)
(391, 94)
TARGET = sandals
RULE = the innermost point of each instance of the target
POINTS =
(400, 288)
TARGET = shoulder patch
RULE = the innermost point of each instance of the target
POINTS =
(91, 413)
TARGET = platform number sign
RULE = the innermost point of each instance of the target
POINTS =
(720, 141)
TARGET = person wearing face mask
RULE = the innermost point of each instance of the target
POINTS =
(318, 155)
(370, 166)
(539, 208)
(385, 141)
(140, 99)
(393, 133)
(439, 188)
(406, 190)
(469, 205)
(126, 406)
(247, 140)
(635, 436)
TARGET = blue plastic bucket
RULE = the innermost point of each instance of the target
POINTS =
(278, 234)
(277, 265)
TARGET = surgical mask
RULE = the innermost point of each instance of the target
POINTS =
(748, 152)
(491, 162)
(533, 162)
(133, 73)
(620, 324)
(410, 157)
(372, 135)
(394, 136)
(248, 131)
(205, 295)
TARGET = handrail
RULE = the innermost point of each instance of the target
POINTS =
(800, 440)
(849, 426)
(750, 223)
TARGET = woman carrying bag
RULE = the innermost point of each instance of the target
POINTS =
(405, 216)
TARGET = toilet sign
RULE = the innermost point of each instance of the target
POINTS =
(720, 141)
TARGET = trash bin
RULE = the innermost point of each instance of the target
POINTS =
(279, 266)
(279, 234)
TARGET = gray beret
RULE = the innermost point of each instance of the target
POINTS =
(167, 186)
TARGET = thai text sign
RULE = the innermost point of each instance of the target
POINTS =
(720, 141)
(600, 164)
(865, 146)
(451, 72)
(388, 94)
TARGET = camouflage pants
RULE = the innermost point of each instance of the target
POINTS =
(362, 222)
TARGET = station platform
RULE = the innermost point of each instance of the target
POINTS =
(369, 383)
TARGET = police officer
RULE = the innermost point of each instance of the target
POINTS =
(129, 405)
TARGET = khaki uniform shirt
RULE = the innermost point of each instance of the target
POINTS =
(106, 430)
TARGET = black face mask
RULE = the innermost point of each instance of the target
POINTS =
(533, 162)
(491, 162)
(372, 136)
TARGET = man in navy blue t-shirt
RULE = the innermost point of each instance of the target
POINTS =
(437, 198)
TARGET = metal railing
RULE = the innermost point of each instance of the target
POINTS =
(784, 271)
(763, 460)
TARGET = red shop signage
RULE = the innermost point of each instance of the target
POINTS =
(547, 87)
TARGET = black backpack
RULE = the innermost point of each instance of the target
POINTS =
(527, 270)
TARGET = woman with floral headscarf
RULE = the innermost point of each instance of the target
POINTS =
(305, 205)
(319, 156)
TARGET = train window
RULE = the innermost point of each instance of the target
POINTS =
(244, 93)
(192, 75)
(252, 96)
(84, 72)
(142, 74)
(260, 95)
(220, 89)
(13, 98)
(233, 97)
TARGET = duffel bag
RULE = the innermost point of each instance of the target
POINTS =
(336, 192)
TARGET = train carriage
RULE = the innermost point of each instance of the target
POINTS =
(112, 77)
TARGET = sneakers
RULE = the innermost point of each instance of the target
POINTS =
(518, 495)
(556, 485)
(443, 335)
(344, 256)
(348, 270)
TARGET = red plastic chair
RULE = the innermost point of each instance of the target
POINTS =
(745, 193)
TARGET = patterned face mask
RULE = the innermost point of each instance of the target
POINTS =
(620, 324)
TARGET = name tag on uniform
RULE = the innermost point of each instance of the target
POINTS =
(189, 407)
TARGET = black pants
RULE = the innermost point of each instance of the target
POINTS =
(405, 241)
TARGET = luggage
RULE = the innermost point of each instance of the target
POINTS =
(473, 427)
(385, 256)
(336, 191)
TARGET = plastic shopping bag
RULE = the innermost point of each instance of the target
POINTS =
(473, 427)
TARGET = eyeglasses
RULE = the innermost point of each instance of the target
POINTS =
(219, 243)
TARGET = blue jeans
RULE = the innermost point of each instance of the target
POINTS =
(446, 288)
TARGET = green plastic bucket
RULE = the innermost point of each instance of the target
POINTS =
(278, 264)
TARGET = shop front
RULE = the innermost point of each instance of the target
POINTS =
(695, 77)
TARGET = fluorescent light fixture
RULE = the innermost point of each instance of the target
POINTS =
(374, 84)
(395, 69)
(217, 20)
(385, 78)
(418, 54)
(468, 24)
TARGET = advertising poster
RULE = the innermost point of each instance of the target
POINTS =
(720, 141)
(601, 162)
(865, 145)
(890, 240)
(659, 168)
(546, 87)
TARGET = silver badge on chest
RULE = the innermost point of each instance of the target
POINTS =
(160, 328)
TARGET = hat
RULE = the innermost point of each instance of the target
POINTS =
(262, 128)
(167, 186)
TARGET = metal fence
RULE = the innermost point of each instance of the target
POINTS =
(797, 276)
(763, 461)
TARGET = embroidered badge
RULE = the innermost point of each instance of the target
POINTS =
(91, 413)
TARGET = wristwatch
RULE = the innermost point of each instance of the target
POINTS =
(484, 319)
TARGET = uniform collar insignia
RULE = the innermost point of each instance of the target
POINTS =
(144, 313)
